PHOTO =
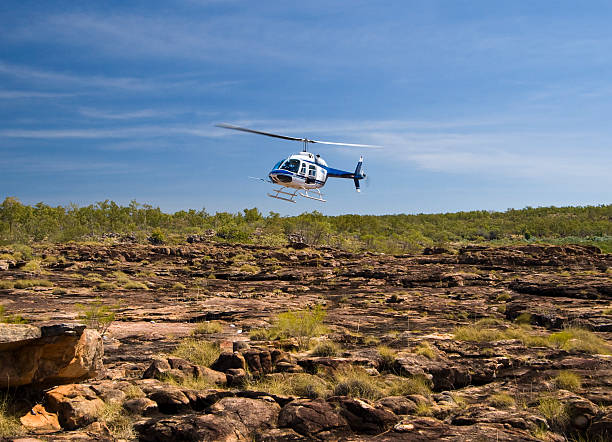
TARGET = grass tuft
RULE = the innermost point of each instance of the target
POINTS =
(554, 411)
(386, 358)
(135, 285)
(326, 348)
(208, 328)
(502, 400)
(117, 419)
(197, 351)
(27, 283)
(425, 349)
(574, 338)
(300, 384)
(568, 380)
(9, 424)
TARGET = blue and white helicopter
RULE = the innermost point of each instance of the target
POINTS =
(304, 171)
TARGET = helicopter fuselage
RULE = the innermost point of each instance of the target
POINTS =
(300, 171)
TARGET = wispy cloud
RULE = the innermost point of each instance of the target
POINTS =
(132, 115)
(17, 94)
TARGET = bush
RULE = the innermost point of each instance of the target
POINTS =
(568, 380)
(97, 315)
(503, 297)
(261, 334)
(300, 324)
(5, 285)
(105, 286)
(249, 268)
(197, 351)
(178, 286)
(407, 386)
(554, 411)
(117, 420)
(157, 236)
(523, 318)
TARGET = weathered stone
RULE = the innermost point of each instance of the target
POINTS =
(76, 405)
(312, 417)
(157, 370)
(40, 419)
(142, 406)
(170, 400)
(61, 355)
(227, 361)
(279, 435)
(398, 404)
(363, 417)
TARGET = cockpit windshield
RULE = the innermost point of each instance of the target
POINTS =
(291, 165)
(277, 165)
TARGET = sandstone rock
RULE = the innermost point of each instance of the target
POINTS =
(227, 360)
(40, 419)
(279, 435)
(363, 417)
(255, 414)
(206, 427)
(76, 405)
(180, 369)
(46, 355)
(236, 376)
(398, 404)
(601, 427)
(202, 399)
(142, 406)
(312, 417)
(258, 361)
(170, 399)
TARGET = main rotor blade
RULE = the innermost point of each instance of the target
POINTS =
(285, 137)
(244, 129)
(345, 144)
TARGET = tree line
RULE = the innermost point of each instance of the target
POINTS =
(20, 223)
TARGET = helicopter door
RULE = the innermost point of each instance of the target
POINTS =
(312, 174)
(303, 170)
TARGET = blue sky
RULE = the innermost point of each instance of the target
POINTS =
(479, 104)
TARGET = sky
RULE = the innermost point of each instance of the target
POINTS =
(479, 105)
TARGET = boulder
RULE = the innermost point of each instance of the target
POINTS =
(142, 406)
(259, 361)
(170, 399)
(58, 354)
(398, 404)
(312, 418)
(229, 360)
(39, 419)
(76, 405)
(363, 417)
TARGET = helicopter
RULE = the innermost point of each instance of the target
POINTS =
(303, 172)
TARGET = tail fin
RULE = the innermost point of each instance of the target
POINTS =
(358, 175)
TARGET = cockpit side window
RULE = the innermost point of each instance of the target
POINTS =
(291, 165)
(312, 170)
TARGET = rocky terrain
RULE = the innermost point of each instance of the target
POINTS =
(508, 343)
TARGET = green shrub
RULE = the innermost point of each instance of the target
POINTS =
(120, 277)
(105, 286)
(249, 268)
(477, 334)
(568, 380)
(197, 351)
(97, 315)
(32, 266)
(300, 324)
(261, 334)
(207, 328)
(326, 348)
(5, 285)
(157, 236)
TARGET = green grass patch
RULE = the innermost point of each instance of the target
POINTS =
(6, 285)
(117, 420)
(568, 380)
(554, 411)
(425, 349)
(11, 319)
(106, 286)
(208, 328)
(28, 283)
(503, 297)
(523, 318)
(10, 426)
(135, 285)
(178, 286)
(502, 400)
(197, 351)
(249, 268)
(386, 358)
(300, 384)
(356, 382)
(574, 338)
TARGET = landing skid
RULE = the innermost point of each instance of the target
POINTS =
(291, 194)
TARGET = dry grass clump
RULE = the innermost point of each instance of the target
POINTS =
(120, 277)
(118, 421)
(10, 319)
(477, 334)
(208, 328)
(5, 285)
(406, 386)
(249, 268)
(106, 286)
(503, 297)
(135, 285)
(32, 266)
(554, 411)
(574, 338)
(261, 334)
(523, 318)
(197, 351)
(27, 283)
(568, 380)
(300, 384)
(356, 382)
(386, 358)
(189, 382)
(607, 311)
(9, 423)
(502, 400)
(326, 348)
(178, 286)
(425, 349)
